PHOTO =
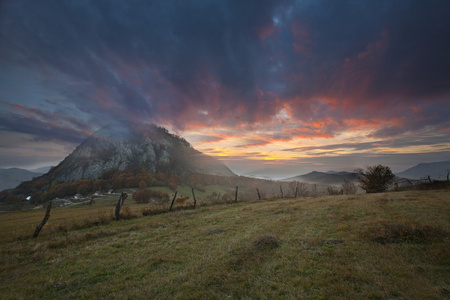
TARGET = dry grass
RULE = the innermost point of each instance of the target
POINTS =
(378, 246)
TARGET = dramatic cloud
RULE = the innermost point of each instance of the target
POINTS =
(269, 75)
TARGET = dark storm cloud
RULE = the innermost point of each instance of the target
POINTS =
(227, 63)
(401, 45)
(43, 125)
(184, 45)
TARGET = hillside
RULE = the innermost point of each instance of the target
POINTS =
(371, 246)
(145, 146)
(436, 171)
(12, 177)
(335, 178)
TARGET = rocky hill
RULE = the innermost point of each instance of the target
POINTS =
(147, 146)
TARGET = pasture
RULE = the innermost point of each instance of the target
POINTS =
(369, 246)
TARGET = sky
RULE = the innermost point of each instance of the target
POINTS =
(279, 87)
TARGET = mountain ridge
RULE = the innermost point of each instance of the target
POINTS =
(12, 177)
(331, 178)
(436, 170)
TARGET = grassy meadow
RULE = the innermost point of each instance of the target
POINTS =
(371, 246)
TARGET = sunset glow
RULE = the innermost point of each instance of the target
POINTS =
(293, 85)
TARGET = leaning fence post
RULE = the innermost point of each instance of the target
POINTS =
(195, 200)
(236, 194)
(47, 215)
(259, 195)
(173, 200)
(122, 198)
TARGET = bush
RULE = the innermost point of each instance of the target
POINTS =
(387, 233)
(348, 188)
(331, 191)
(142, 185)
(227, 197)
(376, 179)
(142, 196)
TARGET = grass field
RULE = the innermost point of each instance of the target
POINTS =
(370, 246)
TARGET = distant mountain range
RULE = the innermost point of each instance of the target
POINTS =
(41, 170)
(436, 171)
(156, 150)
(330, 177)
(12, 177)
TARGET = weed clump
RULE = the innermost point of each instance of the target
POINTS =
(154, 210)
(389, 233)
(266, 242)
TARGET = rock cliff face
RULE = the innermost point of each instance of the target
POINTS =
(147, 146)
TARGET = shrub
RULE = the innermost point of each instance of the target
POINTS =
(387, 233)
(266, 242)
(142, 196)
(142, 185)
(349, 188)
(227, 197)
(164, 197)
(331, 191)
(376, 179)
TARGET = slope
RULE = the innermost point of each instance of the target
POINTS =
(392, 245)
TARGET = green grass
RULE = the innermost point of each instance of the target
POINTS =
(375, 246)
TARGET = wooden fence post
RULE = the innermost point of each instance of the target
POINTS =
(173, 200)
(47, 215)
(281, 190)
(296, 192)
(236, 194)
(259, 195)
(122, 198)
(218, 196)
(195, 200)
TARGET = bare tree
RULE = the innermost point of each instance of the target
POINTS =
(298, 188)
